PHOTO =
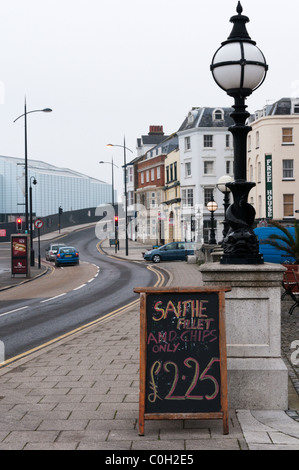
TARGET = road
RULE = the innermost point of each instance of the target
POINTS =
(39, 311)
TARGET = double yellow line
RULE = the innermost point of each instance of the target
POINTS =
(99, 321)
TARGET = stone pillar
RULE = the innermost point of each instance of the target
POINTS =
(257, 375)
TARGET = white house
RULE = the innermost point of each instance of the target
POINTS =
(206, 154)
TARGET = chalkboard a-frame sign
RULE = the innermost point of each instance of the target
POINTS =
(183, 363)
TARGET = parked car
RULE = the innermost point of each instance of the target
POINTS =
(67, 255)
(170, 252)
(52, 250)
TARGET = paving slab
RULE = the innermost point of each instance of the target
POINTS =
(82, 393)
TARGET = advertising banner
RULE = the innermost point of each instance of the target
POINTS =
(20, 254)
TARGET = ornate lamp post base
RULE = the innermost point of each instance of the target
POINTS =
(240, 245)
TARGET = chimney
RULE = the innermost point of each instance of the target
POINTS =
(156, 130)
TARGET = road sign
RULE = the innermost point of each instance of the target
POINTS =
(38, 223)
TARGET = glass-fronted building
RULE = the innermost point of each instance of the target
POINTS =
(56, 187)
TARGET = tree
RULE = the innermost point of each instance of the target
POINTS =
(285, 241)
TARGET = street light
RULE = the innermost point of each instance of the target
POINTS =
(222, 186)
(31, 224)
(112, 200)
(239, 68)
(212, 206)
(112, 165)
(126, 199)
(45, 110)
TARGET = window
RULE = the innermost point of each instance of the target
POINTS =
(296, 108)
(208, 141)
(130, 174)
(287, 135)
(288, 169)
(147, 176)
(153, 199)
(187, 197)
(208, 168)
(187, 169)
(171, 172)
(208, 195)
(142, 178)
(152, 174)
(218, 115)
(227, 141)
(288, 205)
(158, 172)
(187, 143)
(260, 206)
(131, 198)
(249, 143)
(228, 167)
(167, 174)
(259, 172)
(257, 139)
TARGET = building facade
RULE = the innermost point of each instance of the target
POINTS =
(150, 191)
(206, 154)
(55, 187)
(172, 197)
(273, 161)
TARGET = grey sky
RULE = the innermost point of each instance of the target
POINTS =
(110, 68)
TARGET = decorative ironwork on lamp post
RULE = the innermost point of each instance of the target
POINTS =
(239, 67)
(224, 189)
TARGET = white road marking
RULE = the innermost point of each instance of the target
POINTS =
(12, 311)
(53, 298)
(80, 287)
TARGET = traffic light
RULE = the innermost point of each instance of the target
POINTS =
(60, 210)
(19, 224)
(116, 220)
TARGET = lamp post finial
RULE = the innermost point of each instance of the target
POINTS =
(239, 8)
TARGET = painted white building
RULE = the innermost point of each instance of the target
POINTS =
(206, 154)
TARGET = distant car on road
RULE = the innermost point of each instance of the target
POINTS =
(173, 251)
(67, 255)
(52, 250)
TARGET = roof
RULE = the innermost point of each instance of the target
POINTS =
(47, 168)
(207, 117)
(150, 139)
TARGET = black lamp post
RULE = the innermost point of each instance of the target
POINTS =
(212, 206)
(126, 196)
(46, 110)
(31, 222)
(239, 68)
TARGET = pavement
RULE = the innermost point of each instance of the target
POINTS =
(82, 392)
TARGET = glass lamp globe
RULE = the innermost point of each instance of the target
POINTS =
(239, 65)
(212, 206)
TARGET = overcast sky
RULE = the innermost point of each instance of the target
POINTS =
(112, 68)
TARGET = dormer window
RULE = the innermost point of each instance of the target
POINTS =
(218, 115)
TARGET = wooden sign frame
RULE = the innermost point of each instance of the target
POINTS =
(223, 412)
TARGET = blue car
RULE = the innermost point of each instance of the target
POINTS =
(173, 251)
(67, 255)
